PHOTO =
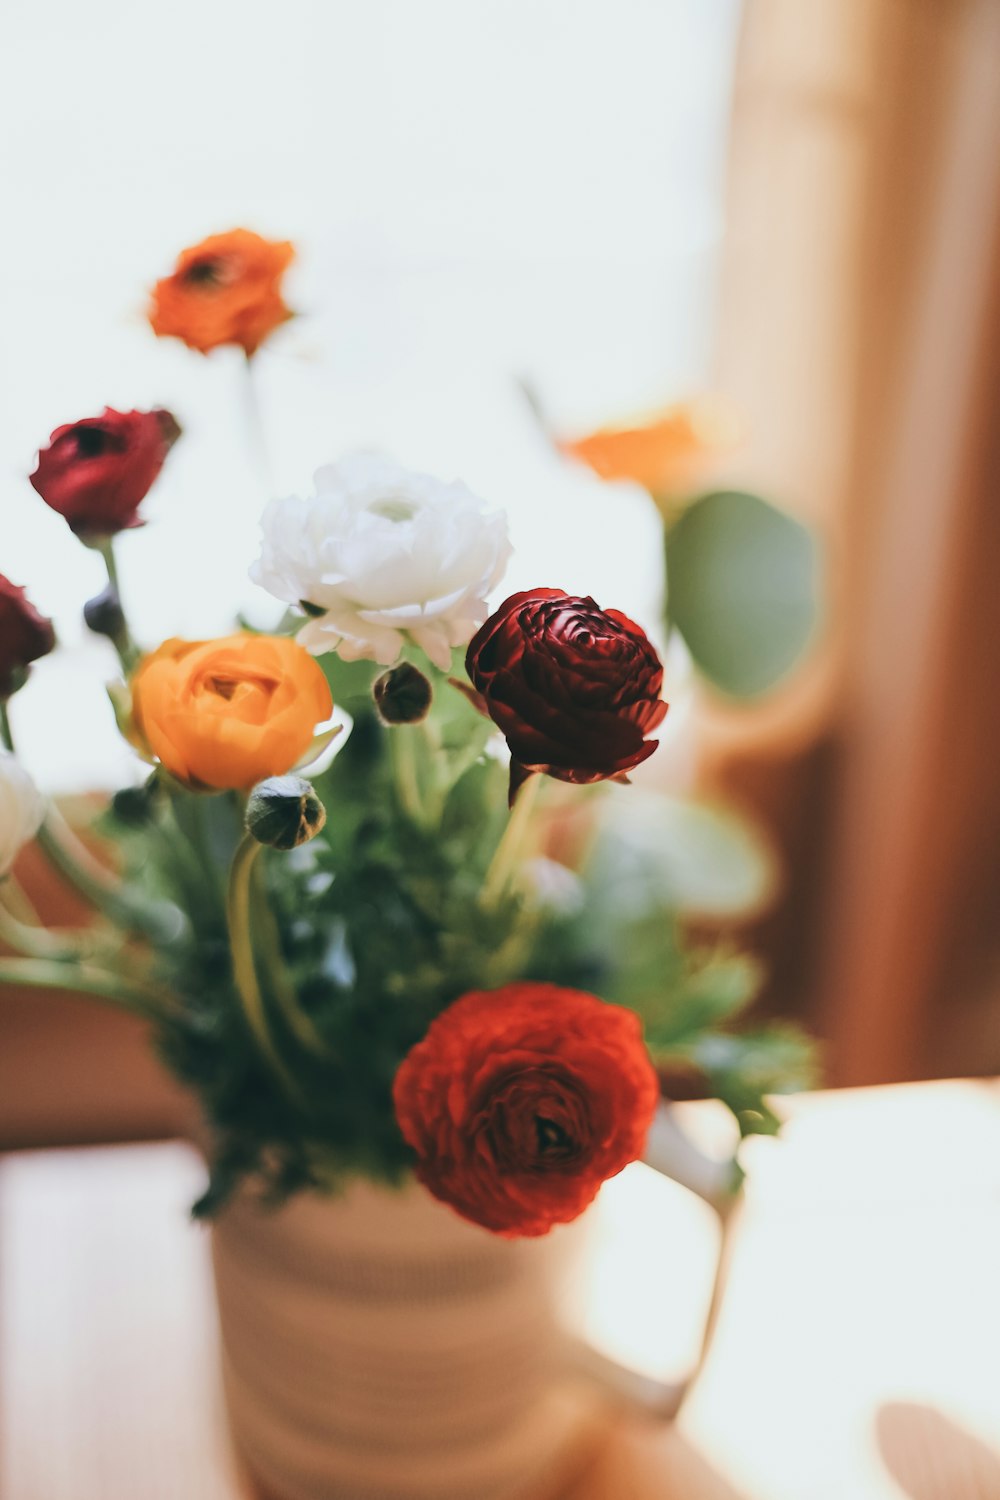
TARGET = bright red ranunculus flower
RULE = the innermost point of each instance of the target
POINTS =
(519, 1102)
(25, 635)
(96, 472)
(575, 688)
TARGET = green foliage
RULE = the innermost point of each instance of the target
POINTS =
(741, 589)
(379, 924)
(743, 1068)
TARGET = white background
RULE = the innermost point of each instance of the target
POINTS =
(478, 191)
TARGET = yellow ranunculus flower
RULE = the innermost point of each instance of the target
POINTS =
(224, 714)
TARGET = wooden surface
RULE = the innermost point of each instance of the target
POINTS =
(857, 1358)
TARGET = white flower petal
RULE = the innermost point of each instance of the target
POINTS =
(386, 553)
(22, 808)
(433, 639)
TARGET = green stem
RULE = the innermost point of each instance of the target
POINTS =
(403, 746)
(18, 903)
(143, 999)
(434, 762)
(73, 860)
(244, 966)
(511, 846)
(37, 941)
(193, 845)
(128, 651)
(96, 884)
(279, 982)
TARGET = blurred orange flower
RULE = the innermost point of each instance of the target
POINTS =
(225, 714)
(227, 290)
(669, 454)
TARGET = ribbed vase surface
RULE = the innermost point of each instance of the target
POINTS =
(377, 1347)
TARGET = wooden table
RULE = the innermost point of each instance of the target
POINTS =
(857, 1357)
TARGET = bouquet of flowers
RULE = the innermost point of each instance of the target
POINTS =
(385, 894)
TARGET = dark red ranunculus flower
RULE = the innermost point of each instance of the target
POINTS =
(575, 688)
(97, 471)
(25, 635)
(519, 1102)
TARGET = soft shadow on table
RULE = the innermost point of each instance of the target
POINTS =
(932, 1458)
(648, 1462)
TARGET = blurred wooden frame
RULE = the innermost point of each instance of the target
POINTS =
(859, 329)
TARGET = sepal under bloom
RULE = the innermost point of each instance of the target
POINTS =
(22, 808)
(379, 555)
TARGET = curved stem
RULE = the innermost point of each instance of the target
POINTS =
(279, 980)
(74, 861)
(404, 760)
(244, 967)
(143, 999)
(511, 846)
(92, 880)
(36, 941)
(18, 903)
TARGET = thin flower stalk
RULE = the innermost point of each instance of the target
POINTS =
(245, 978)
(279, 981)
(140, 997)
(71, 858)
(122, 640)
(35, 941)
(511, 848)
(403, 748)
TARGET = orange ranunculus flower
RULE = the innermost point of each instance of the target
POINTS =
(222, 715)
(666, 455)
(227, 290)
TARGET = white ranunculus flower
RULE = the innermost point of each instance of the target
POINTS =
(386, 554)
(22, 808)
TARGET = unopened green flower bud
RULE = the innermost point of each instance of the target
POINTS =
(402, 695)
(284, 812)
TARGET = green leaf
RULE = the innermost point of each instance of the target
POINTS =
(696, 859)
(742, 589)
(743, 1069)
(678, 1019)
(350, 681)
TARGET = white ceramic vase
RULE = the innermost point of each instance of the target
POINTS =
(377, 1347)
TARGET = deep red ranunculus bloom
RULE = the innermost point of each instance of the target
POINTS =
(25, 635)
(95, 472)
(575, 688)
(519, 1102)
